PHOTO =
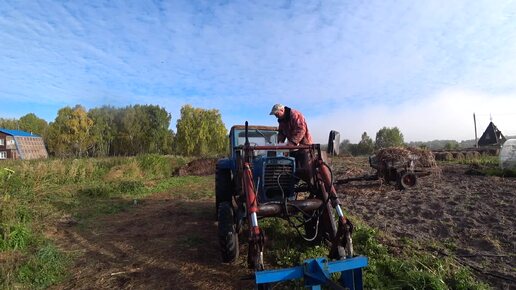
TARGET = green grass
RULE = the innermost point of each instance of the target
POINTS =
(410, 269)
(34, 194)
(186, 187)
(486, 165)
(45, 267)
(15, 236)
(485, 160)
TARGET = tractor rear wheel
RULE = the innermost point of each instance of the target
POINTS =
(223, 187)
(228, 237)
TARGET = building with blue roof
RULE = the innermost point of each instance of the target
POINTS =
(17, 144)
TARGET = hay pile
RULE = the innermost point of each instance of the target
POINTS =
(402, 155)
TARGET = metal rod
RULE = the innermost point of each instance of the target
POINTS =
(286, 147)
(475, 122)
(254, 220)
(339, 211)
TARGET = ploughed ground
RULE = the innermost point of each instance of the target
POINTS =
(473, 216)
(170, 243)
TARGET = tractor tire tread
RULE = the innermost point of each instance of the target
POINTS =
(223, 187)
(228, 237)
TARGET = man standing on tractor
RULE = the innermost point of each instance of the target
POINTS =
(293, 129)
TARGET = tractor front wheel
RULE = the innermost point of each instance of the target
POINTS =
(228, 237)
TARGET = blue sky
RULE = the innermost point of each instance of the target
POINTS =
(354, 66)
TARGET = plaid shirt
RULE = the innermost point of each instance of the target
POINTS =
(293, 128)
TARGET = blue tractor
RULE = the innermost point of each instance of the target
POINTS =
(260, 179)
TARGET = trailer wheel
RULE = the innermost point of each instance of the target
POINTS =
(228, 237)
(223, 187)
(406, 180)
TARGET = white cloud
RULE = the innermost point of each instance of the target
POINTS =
(242, 56)
(445, 115)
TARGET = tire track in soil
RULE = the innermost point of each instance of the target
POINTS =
(473, 214)
(163, 243)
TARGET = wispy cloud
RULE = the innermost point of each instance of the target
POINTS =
(243, 56)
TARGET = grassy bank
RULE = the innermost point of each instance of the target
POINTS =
(37, 195)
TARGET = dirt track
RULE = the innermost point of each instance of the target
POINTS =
(167, 243)
(162, 243)
(472, 215)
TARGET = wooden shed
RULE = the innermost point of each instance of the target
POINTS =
(16, 144)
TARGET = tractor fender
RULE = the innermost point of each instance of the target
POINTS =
(225, 163)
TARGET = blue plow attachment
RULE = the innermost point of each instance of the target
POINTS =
(316, 272)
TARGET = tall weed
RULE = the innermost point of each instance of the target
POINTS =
(127, 171)
(154, 165)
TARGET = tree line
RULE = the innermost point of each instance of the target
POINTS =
(385, 137)
(144, 129)
(392, 137)
(127, 131)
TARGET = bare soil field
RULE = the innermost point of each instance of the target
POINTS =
(164, 242)
(472, 216)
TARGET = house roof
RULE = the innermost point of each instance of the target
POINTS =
(17, 133)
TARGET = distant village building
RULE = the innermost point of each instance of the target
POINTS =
(491, 137)
(16, 144)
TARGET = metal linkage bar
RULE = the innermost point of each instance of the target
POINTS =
(316, 272)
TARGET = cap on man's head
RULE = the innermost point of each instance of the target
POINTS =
(276, 108)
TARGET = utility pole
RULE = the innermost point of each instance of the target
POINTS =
(475, 122)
